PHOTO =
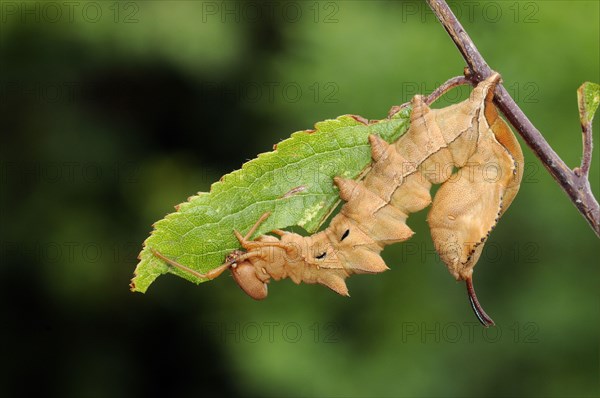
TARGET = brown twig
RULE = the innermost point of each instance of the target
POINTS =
(586, 130)
(586, 160)
(574, 182)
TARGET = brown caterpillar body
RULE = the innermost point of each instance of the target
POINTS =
(469, 136)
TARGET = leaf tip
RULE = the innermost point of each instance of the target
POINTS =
(588, 99)
(132, 285)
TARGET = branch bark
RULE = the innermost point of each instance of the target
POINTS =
(575, 183)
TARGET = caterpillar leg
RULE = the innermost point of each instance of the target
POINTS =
(263, 241)
(231, 260)
(244, 239)
(212, 274)
(447, 86)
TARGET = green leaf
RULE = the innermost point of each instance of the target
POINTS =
(588, 98)
(294, 183)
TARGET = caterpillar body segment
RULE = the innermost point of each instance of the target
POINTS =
(466, 147)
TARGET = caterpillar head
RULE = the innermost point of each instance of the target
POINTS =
(244, 274)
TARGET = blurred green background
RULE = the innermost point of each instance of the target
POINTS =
(113, 112)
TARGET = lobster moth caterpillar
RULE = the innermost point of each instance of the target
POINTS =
(466, 147)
